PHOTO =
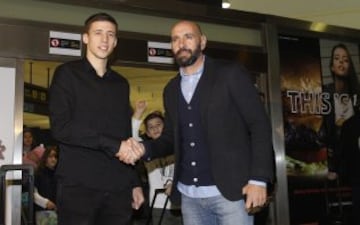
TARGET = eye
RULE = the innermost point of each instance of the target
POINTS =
(174, 39)
(189, 36)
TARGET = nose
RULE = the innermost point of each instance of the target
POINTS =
(181, 42)
(104, 38)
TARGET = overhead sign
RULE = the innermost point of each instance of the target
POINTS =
(35, 99)
(62, 43)
(160, 52)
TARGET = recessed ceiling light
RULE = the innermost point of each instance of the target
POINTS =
(226, 4)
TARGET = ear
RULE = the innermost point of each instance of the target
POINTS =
(203, 42)
(115, 42)
(85, 38)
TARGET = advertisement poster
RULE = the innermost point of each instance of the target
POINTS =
(319, 86)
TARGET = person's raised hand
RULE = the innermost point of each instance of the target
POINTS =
(140, 107)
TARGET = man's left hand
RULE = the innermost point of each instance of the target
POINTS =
(138, 197)
(255, 196)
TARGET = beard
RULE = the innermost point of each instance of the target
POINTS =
(184, 61)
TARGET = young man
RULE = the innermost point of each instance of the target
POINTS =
(90, 117)
(220, 133)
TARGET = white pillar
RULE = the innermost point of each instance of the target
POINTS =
(11, 103)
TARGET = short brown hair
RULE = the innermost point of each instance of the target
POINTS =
(99, 17)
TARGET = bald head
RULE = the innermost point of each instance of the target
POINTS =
(188, 24)
(187, 43)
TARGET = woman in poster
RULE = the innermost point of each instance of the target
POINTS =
(343, 92)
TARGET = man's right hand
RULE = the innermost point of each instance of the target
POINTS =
(130, 151)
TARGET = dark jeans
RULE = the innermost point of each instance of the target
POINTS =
(79, 205)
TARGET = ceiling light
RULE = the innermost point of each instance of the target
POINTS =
(318, 26)
(226, 4)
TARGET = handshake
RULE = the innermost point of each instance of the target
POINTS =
(130, 151)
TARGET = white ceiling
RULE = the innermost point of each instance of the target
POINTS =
(344, 13)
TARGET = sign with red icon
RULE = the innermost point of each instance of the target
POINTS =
(160, 52)
(62, 43)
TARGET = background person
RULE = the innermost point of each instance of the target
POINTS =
(45, 188)
(29, 142)
(33, 157)
(45, 181)
(159, 172)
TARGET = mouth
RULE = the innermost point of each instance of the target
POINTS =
(341, 68)
(104, 48)
(183, 51)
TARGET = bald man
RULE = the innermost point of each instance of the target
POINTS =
(216, 125)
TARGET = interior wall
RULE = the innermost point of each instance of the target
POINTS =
(40, 11)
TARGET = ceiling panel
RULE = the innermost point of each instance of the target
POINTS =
(340, 13)
(148, 83)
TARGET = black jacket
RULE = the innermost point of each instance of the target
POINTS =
(237, 129)
(89, 117)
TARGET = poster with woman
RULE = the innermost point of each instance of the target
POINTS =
(340, 61)
(319, 88)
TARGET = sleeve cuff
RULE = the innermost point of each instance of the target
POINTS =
(146, 157)
(256, 182)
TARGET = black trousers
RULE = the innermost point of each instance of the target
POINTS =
(356, 204)
(79, 205)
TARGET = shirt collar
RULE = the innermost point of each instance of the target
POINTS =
(196, 74)
(89, 68)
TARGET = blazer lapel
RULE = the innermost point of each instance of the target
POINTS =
(205, 86)
(174, 98)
